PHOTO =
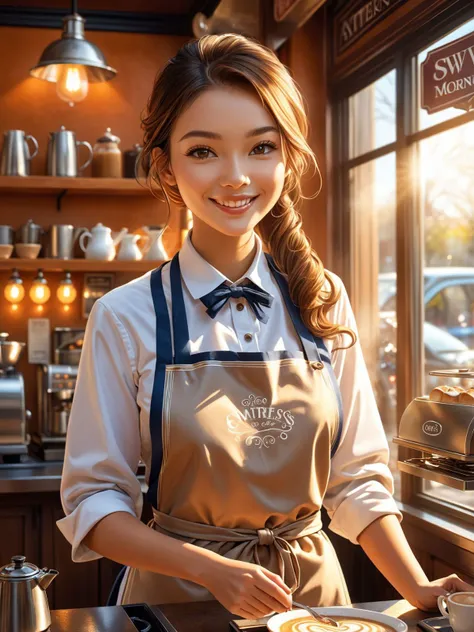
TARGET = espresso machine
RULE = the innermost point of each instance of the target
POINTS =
(443, 432)
(13, 414)
(56, 383)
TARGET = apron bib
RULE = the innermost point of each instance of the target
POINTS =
(241, 455)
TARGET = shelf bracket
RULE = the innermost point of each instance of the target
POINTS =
(59, 199)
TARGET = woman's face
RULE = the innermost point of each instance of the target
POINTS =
(226, 159)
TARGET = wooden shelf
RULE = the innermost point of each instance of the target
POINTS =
(78, 265)
(50, 185)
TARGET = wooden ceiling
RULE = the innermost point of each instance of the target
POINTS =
(164, 17)
(170, 7)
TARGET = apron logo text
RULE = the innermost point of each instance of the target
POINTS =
(260, 425)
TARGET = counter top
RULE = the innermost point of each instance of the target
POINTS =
(30, 477)
(207, 616)
(36, 476)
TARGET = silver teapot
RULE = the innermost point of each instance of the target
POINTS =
(23, 601)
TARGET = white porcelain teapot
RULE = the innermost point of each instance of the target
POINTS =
(129, 251)
(102, 244)
(154, 248)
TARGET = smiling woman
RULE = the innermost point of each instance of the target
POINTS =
(225, 371)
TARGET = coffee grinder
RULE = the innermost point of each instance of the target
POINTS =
(56, 383)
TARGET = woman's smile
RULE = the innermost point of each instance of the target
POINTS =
(235, 206)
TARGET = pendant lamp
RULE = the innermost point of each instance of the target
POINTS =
(72, 62)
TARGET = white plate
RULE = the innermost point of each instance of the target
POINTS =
(276, 621)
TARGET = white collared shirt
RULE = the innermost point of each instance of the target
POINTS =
(109, 431)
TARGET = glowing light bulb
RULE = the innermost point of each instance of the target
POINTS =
(14, 291)
(39, 291)
(66, 292)
(72, 84)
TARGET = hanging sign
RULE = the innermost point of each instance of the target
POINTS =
(447, 76)
(358, 18)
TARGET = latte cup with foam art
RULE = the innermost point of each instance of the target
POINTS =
(459, 608)
(349, 620)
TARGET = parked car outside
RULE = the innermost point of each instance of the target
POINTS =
(448, 299)
(448, 330)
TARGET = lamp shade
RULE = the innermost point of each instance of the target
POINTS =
(74, 50)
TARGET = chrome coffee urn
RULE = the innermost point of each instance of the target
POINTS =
(13, 414)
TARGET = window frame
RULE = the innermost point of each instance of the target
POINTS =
(409, 226)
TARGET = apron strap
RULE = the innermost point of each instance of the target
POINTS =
(314, 347)
(181, 343)
(311, 345)
(164, 356)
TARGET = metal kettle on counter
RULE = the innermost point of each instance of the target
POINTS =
(23, 601)
(62, 154)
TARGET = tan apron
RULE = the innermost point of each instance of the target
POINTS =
(241, 454)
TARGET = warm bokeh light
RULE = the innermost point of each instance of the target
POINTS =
(14, 291)
(39, 292)
(66, 292)
(72, 84)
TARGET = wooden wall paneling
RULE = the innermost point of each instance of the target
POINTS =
(437, 556)
(20, 531)
(442, 569)
(77, 585)
(305, 55)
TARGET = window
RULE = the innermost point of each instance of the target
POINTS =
(372, 116)
(372, 193)
(425, 162)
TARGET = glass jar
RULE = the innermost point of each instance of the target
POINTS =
(107, 157)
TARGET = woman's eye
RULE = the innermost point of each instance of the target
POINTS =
(201, 153)
(261, 148)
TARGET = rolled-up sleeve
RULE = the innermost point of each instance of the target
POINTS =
(103, 437)
(360, 487)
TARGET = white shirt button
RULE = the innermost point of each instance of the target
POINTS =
(240, 307)
(248, 337)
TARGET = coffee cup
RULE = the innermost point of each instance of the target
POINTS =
(459, 608)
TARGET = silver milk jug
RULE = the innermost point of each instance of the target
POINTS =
(62, 154)
(23, 601)
(16, 156)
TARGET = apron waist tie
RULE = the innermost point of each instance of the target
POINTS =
(279, 538)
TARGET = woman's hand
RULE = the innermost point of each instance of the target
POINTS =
(248, 590)
(426, 595)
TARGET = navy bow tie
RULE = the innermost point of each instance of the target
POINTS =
(255, 297)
